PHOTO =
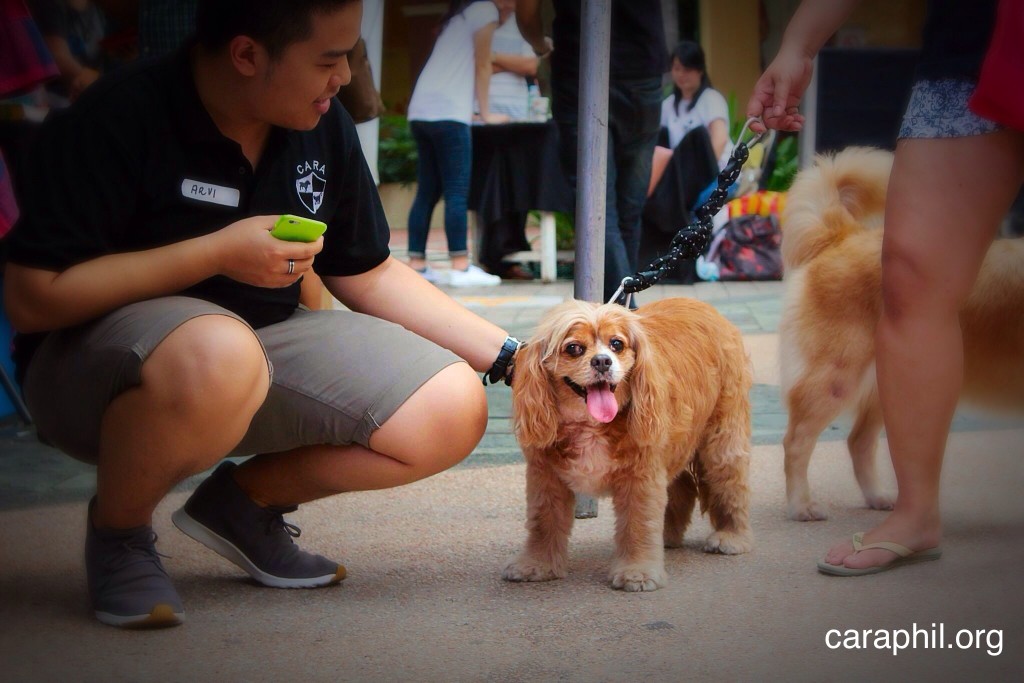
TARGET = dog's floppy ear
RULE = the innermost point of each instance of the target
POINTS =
(534, 413)
(648, 390)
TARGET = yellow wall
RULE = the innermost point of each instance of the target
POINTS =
(885, 23)
(395, 83)
(731, 37)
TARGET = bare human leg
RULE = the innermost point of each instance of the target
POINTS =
(946, 199)
(437, 427)
(200, 389)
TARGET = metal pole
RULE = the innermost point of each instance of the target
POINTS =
(591, 165)
(592, 156)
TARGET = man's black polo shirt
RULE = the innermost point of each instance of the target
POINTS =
(138, 163)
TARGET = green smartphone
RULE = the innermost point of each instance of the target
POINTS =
(297, 229)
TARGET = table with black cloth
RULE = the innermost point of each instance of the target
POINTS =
(515, 170)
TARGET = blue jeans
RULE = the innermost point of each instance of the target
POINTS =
(634, 116)
(444, 167)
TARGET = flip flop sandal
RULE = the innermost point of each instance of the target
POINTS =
(904, 556)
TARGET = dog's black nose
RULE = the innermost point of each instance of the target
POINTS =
(602, 363)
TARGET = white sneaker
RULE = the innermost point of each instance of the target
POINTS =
(472, 277)
(430, 275)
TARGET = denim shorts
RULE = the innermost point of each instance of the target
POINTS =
(336, 375)
(938, 109)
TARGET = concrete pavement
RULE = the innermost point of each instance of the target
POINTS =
(424, 600)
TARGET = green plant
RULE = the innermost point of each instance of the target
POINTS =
(736, 118)
(787, 156)
(396, 155)
(565, 231)
(787, 163)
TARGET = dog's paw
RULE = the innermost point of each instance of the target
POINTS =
(807, 512)
(879, 501)
(529, 569)
(728, 543)
(636, 578)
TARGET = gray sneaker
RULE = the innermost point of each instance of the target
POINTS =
(223, 518)
(128, 585)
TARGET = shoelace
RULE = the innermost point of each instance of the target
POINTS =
(138, 548)
(275, 519)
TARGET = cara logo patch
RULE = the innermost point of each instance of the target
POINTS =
(311, 184)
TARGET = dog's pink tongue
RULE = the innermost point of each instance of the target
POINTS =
(601, 403)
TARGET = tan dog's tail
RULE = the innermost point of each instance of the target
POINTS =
(838, 195)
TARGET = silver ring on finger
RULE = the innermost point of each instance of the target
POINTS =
(291, 266)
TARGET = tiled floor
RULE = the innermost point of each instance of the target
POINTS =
(32, 473)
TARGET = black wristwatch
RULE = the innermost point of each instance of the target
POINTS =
(502, 368)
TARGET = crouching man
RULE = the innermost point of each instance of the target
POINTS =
(158, 319)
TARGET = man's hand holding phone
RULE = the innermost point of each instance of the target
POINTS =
(249, 251)
(298, 229)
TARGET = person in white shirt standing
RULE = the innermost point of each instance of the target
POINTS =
(440, 113)
(513, 63)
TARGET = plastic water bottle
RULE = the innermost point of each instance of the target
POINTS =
(532, 93)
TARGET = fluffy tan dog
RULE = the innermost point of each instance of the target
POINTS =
(831, 246)
(650, 407)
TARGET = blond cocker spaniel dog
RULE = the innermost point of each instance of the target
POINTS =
(649, 407)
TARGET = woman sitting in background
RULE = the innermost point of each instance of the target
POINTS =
(692, 104)
(695, 125)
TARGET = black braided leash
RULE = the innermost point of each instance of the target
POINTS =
(691, 241)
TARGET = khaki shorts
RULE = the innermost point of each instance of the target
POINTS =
(336, 375)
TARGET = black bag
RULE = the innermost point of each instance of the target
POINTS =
(748, 248)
